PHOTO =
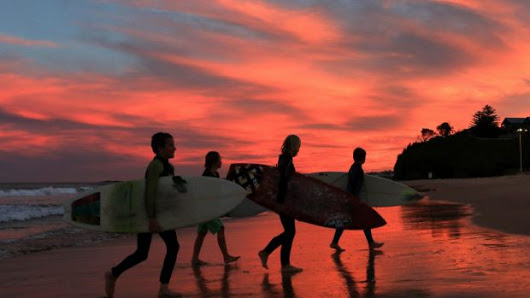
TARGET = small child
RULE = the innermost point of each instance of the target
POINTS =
(163, 146)
(291, 146)
(355, 183)
(212, 163)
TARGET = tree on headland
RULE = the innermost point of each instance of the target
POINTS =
(485, 122)
(445, 129)
(463, 154)
(486, 117)
(427, 134)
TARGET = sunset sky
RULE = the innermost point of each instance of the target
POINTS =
(84, 84)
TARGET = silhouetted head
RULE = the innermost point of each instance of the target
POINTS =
(291, 145)
(163, 145)
(359, 155)
(212, 160)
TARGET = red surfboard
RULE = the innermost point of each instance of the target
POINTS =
(307, 199)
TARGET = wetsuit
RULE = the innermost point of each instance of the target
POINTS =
(285, 239)
(355, 183)
(157, 168)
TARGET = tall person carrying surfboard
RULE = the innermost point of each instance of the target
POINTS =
(291, 146)
(355, 183)
(212, 163)
(163, 145)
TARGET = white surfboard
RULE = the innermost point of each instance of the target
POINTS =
(120, 207)
(376, 191)
(246, 208)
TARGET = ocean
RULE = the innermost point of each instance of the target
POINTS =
(31, 218)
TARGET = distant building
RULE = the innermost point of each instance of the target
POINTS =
(512, 124)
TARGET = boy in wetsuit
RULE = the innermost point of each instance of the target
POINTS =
(164, 148)
(355, 183)
(212, 162)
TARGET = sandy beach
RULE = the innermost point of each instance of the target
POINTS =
(501, 203)
(432, 249)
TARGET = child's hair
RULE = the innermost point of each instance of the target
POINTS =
(359, 154)
(211, 158)
(290, 142)
(158, 140)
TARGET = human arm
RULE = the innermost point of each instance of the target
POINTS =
(154, 170)
(284, 165)
(355, 180)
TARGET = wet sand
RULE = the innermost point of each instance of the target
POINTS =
(431, 250)
(501, 203)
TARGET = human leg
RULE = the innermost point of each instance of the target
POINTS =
(221, 240)
(172, 249)
(143, 242)
(371, 243)
(335, 242)
(197, 248)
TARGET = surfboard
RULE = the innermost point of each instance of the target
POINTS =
(246, 208)
(120, 207)
(307, 199)
(376, 191)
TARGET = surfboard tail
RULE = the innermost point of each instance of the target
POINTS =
(247, 176)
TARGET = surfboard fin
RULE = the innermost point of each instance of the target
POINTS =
(180, 184)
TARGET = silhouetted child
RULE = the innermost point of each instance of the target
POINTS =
(355, 183)
(291, 146)
(212, 162)
(164, 148)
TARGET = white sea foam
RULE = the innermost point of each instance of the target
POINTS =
(9, 213)
(43, 191)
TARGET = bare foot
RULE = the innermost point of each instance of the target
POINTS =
(336, 247)
(110, 282)
(231, 259)
(291, 269)
(198, 262)
(166, 292)
(263, 255)
(376, 245)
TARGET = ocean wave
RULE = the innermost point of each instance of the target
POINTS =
(44, 191)
(9, 213)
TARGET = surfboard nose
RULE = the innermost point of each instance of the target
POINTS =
(413, 196)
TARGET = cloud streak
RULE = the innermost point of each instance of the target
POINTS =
(17, 41)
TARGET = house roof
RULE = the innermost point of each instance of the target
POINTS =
(516, 120)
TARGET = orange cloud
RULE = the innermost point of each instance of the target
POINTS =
(238, 77)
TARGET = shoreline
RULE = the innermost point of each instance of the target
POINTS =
(500, 203)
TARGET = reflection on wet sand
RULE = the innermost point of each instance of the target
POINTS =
(439, 217)
(346, 275)
(431, 250)
(225, 284)
(349, 281)
(270, 290)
